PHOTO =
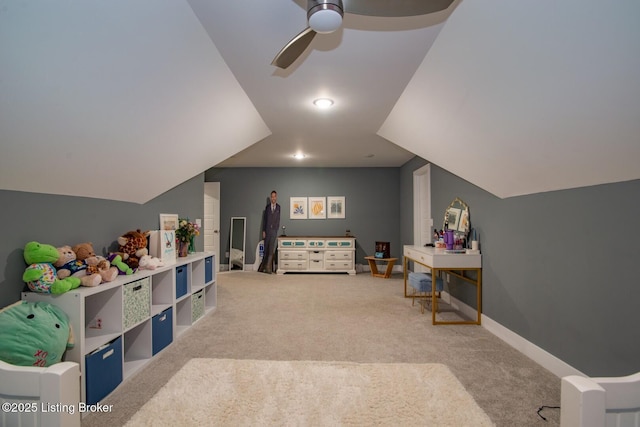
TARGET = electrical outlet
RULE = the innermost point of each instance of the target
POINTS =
(226, 254)
(448, 278)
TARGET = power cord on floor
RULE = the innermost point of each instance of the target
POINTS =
(546, 407)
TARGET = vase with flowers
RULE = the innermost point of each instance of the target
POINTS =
(185, 235)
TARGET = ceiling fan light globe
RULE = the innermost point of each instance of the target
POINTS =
(325, 21)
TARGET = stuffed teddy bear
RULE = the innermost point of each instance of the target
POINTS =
(95, 263)
(116, 261)
(147, 262)
(34, 334)
(68, 265)
(40, 274)
(133, 245)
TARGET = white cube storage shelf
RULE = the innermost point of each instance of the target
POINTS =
(316, 254)
(128, 321)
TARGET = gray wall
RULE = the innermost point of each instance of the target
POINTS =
(371, 199)
(66, 220)
(559, 268)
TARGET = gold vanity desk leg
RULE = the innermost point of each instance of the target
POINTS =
(404, 268)
(459, 273)
(434, 300)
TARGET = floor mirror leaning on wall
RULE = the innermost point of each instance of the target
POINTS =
(238, 234)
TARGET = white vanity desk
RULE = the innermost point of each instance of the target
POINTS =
(438, 260)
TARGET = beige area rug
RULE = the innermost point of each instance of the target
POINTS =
(224, 392)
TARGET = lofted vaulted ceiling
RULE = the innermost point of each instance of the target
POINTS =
(125, 100)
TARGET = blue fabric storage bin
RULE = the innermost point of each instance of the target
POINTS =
(421, 282)
(208, 269)
(162, 330)
(103, 371)
(181, 280)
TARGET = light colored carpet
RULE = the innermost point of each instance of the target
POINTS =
(337, 317)
(230, 392)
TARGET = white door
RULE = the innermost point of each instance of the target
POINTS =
(212, 219)
(422, 220)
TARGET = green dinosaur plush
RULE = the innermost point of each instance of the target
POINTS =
(40, 274)
(34, 334)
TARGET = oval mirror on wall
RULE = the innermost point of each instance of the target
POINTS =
(457, 217)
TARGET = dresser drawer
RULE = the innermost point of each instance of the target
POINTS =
(292, 243)
(293, 255)
(316, 264)
(338, 255)
(316, 255)
(137, 302)
(293, 265)
(415, 255)
(316, 243)
(338, 265)
(340, 243)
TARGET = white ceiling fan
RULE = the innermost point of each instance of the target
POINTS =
(325, 16)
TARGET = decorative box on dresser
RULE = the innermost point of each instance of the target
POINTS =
(119, 326)
(316, 254)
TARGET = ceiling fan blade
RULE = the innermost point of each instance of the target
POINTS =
(294, 49)
(394, 8)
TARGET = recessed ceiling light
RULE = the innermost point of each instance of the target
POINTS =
(299, 156)
(323, 102)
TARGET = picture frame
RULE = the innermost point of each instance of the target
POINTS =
(336, 208)
(169, 221)
(463, 223)
(317, 208)
(162, 245)
(297, 208)
(453, 218)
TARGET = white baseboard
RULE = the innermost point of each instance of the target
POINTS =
(537, 354)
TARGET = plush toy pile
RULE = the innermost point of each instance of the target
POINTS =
(40, 274)
(133, 245)
(96, 264)
(68, 264)
(58, 270)
(34, 334)
(147, 262)
(37, 334)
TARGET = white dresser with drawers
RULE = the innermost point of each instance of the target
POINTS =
(316, 254)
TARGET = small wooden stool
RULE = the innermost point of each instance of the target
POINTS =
(374, 267)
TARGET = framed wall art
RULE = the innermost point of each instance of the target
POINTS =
(169, 221)
(463, 224)
(453, 218)
(317, 207)
(162, 244)
(336, 207)
(298, 208)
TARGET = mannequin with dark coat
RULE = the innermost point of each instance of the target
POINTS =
(270, 226)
